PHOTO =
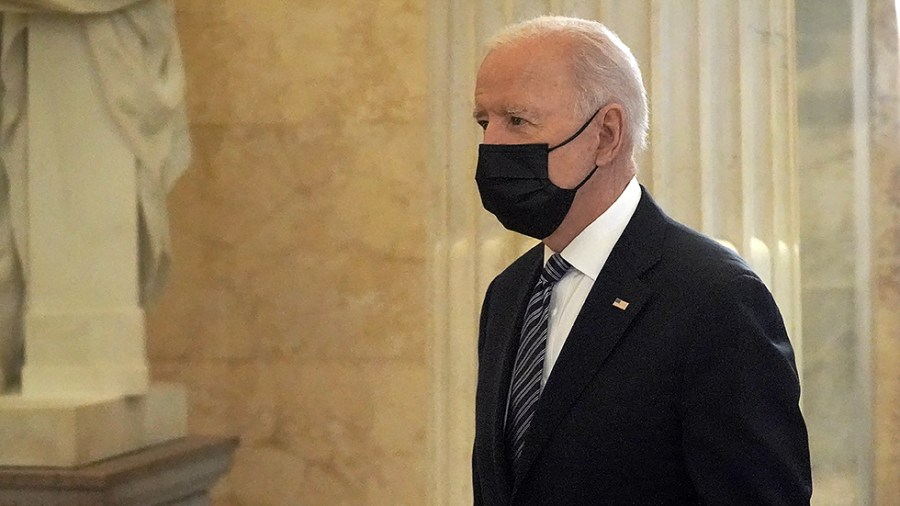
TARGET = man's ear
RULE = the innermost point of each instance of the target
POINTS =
(611, 134)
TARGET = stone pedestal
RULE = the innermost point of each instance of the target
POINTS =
(84, 328)
(85, 385)
(180, 472)
(73, 431)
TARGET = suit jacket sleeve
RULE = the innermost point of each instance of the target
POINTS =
(744, 437)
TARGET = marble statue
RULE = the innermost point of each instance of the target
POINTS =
(135, 55)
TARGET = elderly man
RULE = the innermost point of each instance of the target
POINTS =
(627, 359)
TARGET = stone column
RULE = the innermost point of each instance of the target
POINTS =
(882, 282)
(84, 328)
(721, 159)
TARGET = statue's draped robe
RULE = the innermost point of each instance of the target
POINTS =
(137, 59)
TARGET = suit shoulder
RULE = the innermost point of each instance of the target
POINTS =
(675, 257)
(699, 261)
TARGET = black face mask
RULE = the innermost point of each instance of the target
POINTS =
(515, 186)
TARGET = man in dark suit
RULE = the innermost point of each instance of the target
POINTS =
(627, 359)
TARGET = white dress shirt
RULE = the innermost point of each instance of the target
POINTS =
(587, 253)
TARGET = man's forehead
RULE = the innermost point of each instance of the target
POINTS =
(526, 57)
(506, 92)
(520, 78)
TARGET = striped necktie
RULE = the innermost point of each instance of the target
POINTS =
(525, 387)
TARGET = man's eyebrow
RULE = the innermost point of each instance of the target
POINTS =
(477, 112)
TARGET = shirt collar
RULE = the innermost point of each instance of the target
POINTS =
(590, 249)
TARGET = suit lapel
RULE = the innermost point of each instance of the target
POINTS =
(511, 297)
(599, 326)
(592, 338)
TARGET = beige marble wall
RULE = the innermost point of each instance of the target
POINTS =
(885, 190)
(295, 313)
(834, 391)
(849, 89)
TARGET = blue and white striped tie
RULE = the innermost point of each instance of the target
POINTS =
(525, 387)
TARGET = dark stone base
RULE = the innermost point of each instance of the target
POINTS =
(180, 472)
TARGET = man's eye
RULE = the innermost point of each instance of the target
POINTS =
(516, 121)
(483, 124)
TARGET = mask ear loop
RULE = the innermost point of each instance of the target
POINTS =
(570, 139)
(576, 134)
(585, 180)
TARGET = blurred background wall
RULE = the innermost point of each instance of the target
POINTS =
(294, 313)
(849, 173)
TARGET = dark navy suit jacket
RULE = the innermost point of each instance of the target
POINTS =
(688, 396)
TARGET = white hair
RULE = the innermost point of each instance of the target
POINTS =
(603, 67)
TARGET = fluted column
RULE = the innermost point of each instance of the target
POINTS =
(723, 129)
(721, 159)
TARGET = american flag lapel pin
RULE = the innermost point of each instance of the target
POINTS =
(620, 304)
